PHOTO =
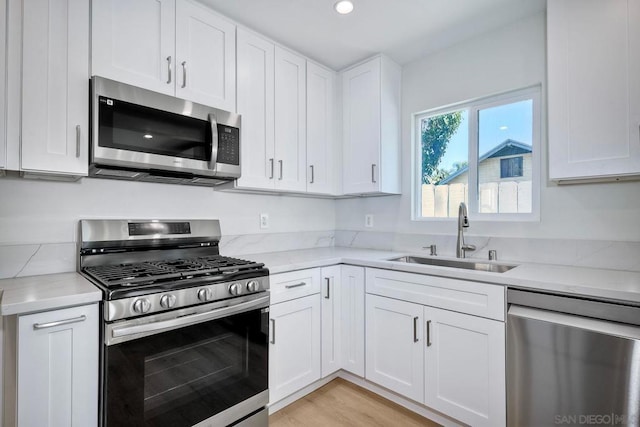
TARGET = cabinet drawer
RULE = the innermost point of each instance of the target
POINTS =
(479, 299)
(294, 284)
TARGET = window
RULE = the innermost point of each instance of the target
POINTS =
(511, 167)
(485, 153)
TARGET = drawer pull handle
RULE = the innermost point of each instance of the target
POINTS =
(59, 322)
(415, 329)
(273, 331)
(328, 295)
(295, 286)
(428, 333)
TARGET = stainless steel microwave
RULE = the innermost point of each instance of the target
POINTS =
(140, 135)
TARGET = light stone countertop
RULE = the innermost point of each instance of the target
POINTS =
(48, 292)
(617, 285)
(53, 291)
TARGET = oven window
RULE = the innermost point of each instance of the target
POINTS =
(132, 127)
(181, 377)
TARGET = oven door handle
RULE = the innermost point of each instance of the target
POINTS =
(190, 319)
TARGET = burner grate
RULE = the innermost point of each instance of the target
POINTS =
(149, 271)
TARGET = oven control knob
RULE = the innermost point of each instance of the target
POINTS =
(141, 305)
(167, 301)
(236, 289)
(205, 294)
(253, 286)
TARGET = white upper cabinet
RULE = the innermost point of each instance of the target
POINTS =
(255, 67)
(290, 121)
(134, 42)
(321, 140)
(176, 47)
(205, 56)
(55, 84)
(371, 127)
(594, 88)
(272, 102)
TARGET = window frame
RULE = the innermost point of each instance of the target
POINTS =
(473, 107)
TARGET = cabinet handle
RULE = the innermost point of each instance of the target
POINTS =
(59, 322)
(280, 162)
(328, 295)
(295, 286)
(428, 333)
(77, 140)
(312, 177)
(271, 162)
(168, 69)
(373, 173)
(273, 331)
(415, 329)
(184, 74)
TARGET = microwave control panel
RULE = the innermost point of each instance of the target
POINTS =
(228, 145)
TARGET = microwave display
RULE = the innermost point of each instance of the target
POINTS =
(137, 128)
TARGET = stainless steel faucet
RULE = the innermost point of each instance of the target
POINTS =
(463, 222)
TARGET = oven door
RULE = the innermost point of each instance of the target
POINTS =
(205, 363)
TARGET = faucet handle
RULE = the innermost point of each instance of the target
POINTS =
(467, 247)
(432, 248)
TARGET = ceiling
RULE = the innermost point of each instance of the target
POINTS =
(405, 30)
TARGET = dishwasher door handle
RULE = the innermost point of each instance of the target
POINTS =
(574, 321)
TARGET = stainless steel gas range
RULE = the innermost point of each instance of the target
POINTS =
(184, 330)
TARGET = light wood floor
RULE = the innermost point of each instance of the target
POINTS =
(341, 403)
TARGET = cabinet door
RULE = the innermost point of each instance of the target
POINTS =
(465, 367)
(594, 88)
(290, 121)
(206, 56)
(331, 319)
(394, 357)
(55, 76)
(352, 319)
(320, 129)
(361, 126)
(58, 367)
(134, 42)
(294, 349)
(255, 68)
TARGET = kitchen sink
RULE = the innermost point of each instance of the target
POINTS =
(468, 265)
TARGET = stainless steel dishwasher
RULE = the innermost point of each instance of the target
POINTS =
(572, 361)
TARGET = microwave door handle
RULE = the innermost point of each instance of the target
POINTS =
(214, 141)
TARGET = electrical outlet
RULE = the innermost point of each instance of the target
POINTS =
(368, 220)
(264, 220)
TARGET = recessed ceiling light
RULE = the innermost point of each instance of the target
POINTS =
(148, 136)
(503, 128)
(343, 7)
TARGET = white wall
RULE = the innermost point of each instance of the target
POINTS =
(509, 58)
(33, 211)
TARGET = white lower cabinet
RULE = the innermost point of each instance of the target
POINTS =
(58, 367)
(331, 322)
(450, 361)
(352, 319)
(294, 335)
(394, 349)
(464, 367)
